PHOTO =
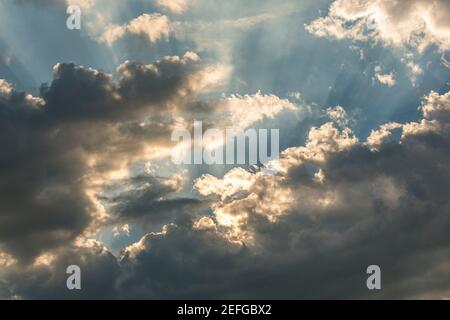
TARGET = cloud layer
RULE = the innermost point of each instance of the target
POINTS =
(86, 176)
(335, 206)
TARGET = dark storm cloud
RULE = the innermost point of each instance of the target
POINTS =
(386, 206)
(100, 270)
(81, 94)
(49, 145)
(156, 83)
(183, 262)
(39, 176)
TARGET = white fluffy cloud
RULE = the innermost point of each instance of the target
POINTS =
(154, 26)
(387, 79)
(338, 115)
(415, 23)
(245, 110)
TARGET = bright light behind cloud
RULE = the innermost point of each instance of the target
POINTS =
(357, 92)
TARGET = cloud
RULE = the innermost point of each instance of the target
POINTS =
(84, 130)
(378, 137)
(154, 26)
(148, 201)
(359, 206)
(35, 193)
(248, 109)
(100, 271)
(72, 167)
(338, 115)
(368, 206)
(416, 23)
(175, 6)
(386, 79)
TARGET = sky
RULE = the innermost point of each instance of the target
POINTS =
(358, 89)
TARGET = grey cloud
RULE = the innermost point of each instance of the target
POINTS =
(182, 263)
(99, 272)
(81, 94)
(387, 207)
(49, 144)
(156, 83)
(309, 232)
(39, 174)
(149, 201)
